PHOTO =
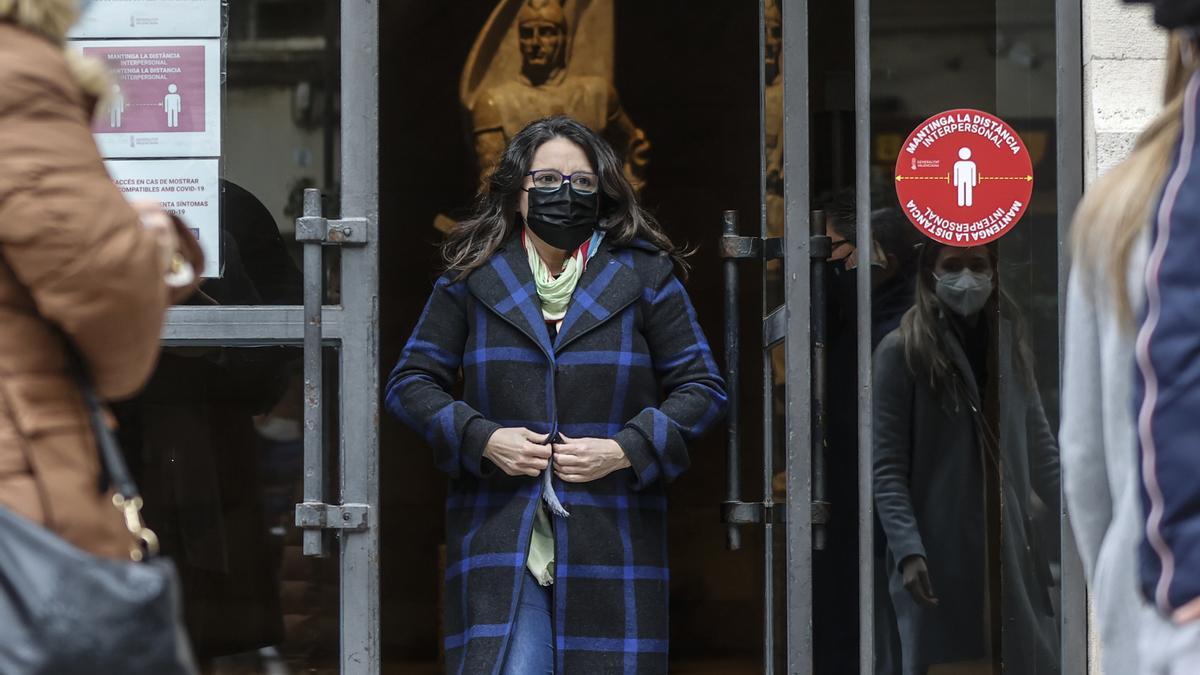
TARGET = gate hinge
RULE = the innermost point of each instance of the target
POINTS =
(748, 513)
(745, 248)
(318, 516)
(775, 327)
(344, 232)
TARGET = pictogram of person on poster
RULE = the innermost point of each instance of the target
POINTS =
(173, 105)
(116, 111)
(966, 177)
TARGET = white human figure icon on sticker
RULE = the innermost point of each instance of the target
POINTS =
(116, 110)
(173, 105)
(966, 177)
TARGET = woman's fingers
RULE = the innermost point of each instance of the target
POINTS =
(926, 588)
(539, 451)
(567, 460)
(534, 437)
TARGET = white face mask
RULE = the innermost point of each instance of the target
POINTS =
(964, 292)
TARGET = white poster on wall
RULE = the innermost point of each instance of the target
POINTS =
(149, 19)
(188, 188)
(166, 101)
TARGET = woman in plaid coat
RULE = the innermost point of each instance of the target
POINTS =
(585, 376)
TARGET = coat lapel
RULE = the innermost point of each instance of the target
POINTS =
(505, 285)
(608, 285)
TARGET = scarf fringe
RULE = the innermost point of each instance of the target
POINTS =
(550, 497)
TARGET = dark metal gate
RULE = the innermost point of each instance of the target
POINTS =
(792, 510)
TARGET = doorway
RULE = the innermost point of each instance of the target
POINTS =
(698, 107)
(302, 113)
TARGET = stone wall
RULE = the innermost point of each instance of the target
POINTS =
(1123, 66)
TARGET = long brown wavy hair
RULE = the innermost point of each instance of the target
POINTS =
(1116, 210)
(923, 329)
(495, 214)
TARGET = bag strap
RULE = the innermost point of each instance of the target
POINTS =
(126, 497)
(111, 457)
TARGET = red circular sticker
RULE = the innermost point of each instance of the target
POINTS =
(964, 177)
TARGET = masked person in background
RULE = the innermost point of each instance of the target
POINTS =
(80, 269)
(892, 259)
(964, 466)
(585, 378)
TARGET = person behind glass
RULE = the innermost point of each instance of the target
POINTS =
(944, 470)
(585, 376)
(80, 270)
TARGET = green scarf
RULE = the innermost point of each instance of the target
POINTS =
(554, 292)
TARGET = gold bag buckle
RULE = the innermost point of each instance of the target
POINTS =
(147, 540)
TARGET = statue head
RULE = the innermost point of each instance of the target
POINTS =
(773, 20)
(542, 29)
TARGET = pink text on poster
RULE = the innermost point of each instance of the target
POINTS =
(158, 89)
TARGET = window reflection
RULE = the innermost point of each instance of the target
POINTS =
(215, 443)
(965, 475)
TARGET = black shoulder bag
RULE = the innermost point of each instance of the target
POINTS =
(66, 612)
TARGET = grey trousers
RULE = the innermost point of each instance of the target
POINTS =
(1167, 649)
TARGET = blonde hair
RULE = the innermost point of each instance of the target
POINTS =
(52, 19)
(1117, 209)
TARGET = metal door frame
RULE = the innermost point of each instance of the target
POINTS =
(353, 326)
(798, 386)
(1068, 46)
(797, 264)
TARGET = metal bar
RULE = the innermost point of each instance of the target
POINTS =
(361, 652)
(314, 377)
(866, 428)
(796, 287)
(818, 260)
(1068, 28)
(246, 326)
(768, 381)
(733, 388)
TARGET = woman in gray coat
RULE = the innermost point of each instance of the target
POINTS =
(964, 465)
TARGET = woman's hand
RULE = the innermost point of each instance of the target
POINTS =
(581, 460)
(518, 451)
(158, 222)
(916, 579)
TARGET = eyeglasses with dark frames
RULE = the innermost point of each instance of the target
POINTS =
(549, 180)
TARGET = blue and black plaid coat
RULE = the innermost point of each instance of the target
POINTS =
(629, 363)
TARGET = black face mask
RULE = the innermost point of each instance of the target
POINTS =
(563, 218)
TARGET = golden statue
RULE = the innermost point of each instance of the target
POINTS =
(560, 72)
(773, 117)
